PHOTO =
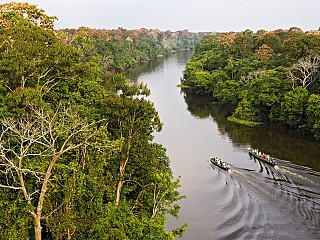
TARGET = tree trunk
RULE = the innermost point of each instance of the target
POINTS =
(37, 216)
(122, 170)
(118, 192)
(37, 227)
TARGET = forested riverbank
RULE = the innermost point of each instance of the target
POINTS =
(77, 158)
(267, 202)
(119, 49)
(271, 77)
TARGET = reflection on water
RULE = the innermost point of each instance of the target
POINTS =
(253, 200)
(147, 67)
(277, 142)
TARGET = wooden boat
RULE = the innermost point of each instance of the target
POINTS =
(218, 162)
(261, 156)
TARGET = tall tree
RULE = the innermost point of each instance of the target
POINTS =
(29, 149)
(305, 71)
(293, 107)
(313, 114)
(32, 58)
(31, 12)
(134, 120)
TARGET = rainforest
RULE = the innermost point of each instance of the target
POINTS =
(265, 76)
(77, 158)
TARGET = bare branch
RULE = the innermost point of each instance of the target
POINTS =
(42, 136)
(49, 87)
(45, 217)
(304, 71)
(10, 187)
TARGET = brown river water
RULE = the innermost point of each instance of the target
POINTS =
(252, 200)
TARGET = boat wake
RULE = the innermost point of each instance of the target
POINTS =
(243, 218)
(281, 202)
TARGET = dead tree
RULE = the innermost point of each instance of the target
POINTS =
(44, 138)
(305, 71)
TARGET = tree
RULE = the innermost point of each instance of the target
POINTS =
(313, 114)
(133, 119)
(246, 111)
(143, 180)
(29, 149)
(227, 91)
(264, 52)
(300, 45)
(38, 68)
(242, 45)
(255, 71)
(293, 107)
(31, 12)
(262, 95)
(32, 58)
(305, 71)
(271, 40)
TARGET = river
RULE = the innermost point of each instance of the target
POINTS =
(250, 201)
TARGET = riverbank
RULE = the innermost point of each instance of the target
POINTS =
(194, 128)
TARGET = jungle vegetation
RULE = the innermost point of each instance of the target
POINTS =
(266, 76)
(119, 49)
(77, 157)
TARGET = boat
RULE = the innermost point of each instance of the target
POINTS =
(218, 162)
(261, 156)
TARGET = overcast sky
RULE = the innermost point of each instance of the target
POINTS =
(194, 15)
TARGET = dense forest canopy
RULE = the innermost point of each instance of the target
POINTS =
(120, 48)
(77, 158)
(271, 77)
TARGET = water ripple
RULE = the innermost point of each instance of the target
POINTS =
(270, 204)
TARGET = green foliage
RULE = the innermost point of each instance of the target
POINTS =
(242, 45)
(30, 12)
(293, 107)
(246, 111)
(301, 45)
(272, 40)
(120, 223)
(120, 48)
(65, 135)
(227, 91)
(313, 114)
(201, 80)
(242, 122)
(15, 221)
(259, 73)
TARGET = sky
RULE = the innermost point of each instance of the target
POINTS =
(194, 15)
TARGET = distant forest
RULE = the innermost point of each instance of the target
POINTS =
(119, 49)
(265, 76)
